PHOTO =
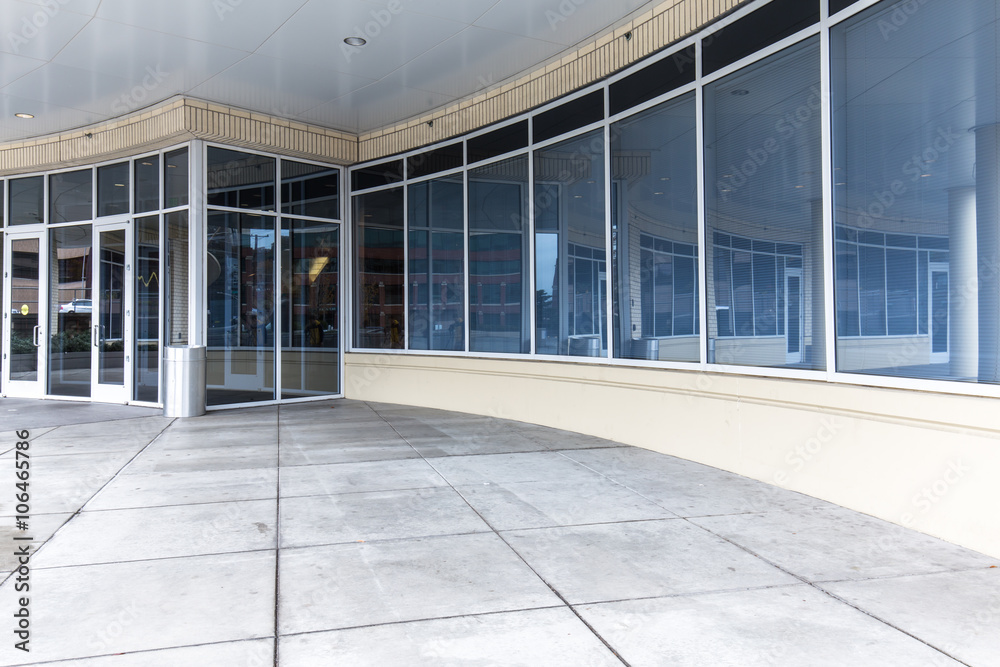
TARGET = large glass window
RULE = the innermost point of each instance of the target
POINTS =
(71, 196)
(764, 213)
(113, 189)
(379, 269)
(310, 190)
(916, 184)
(310, 333)
(147, 309)
(241, 304)
(175, 178)
(147, 183)
(240, 180)
(436, 264)
(498, 257)
(570, 251)
(654, 217)
(26, 200)
(71, 283)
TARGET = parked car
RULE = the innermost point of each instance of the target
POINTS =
(77, 306)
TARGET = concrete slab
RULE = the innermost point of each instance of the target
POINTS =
(251, 454)
(96, 610)
(834, 544)
(639, 559)
(956, 612)
(111, 536)
(507, 468)
(512, 505)
(523, 638)
(788, 626)
(353, 585)
(249, 653)
(40, 527)
(185, 488)
(364, 517)
(322, 480)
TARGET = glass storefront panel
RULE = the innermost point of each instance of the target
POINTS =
(570, 251)
(71, 196)
(71, 282)
(764, 212)
(175, 178)
(310, 190)
(27, 200)
(436, 265)
(26, 319)
(240, 180)
(654, 216)
(310, 332)
(498, 257)
(917, 172)
(147, 183)
(113, 189)
(379, 277)
(241, 308)
(146, 328)
(110, 327)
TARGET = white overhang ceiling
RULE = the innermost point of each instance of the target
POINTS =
(72, 63)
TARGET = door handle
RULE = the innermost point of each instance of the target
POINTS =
(96, 335)
(34, 334)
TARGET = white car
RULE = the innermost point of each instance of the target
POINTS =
(77, 306)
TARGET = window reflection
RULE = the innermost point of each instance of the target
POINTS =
(436, 265)
(498, 250)
(655, 225)
(570, 254)
(379, 269)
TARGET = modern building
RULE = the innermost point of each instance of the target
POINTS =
(760, 235)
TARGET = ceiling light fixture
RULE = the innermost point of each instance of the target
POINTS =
(24, 115)
(355, 41)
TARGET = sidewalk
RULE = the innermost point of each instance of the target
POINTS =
(370, 534)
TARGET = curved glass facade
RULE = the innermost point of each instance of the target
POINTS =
(819, 197)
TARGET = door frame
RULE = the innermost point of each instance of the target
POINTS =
(107, 392)
(938, 357)
(32, 388)
(794, 357)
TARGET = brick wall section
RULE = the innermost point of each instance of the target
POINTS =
(171, 123)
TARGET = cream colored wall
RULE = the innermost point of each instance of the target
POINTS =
(870, 449)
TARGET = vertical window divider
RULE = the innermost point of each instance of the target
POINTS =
(277, 325)
(703, 247)
(530, 226)
(826, 135)
(197, 240)
(466, 251)
(405, 333)
(609, 278)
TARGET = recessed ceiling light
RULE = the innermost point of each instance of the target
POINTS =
(147, 164)
(24, 115)
(355, 41)
(740, 92)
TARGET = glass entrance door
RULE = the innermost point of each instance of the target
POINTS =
(24, 318)
(939, 312)
(793, 316)
(111, 334)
